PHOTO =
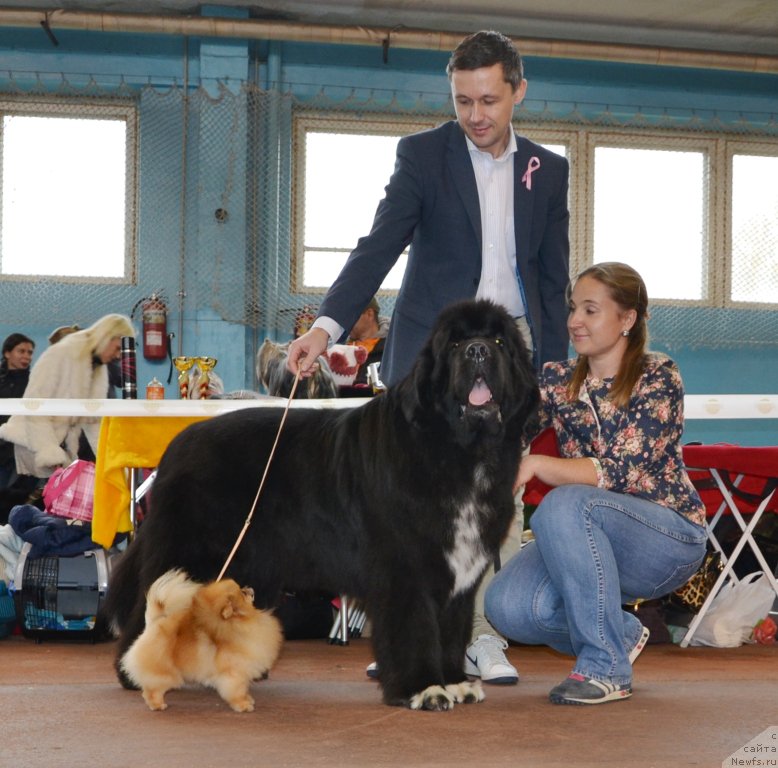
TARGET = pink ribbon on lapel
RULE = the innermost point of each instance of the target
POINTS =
(532, 166)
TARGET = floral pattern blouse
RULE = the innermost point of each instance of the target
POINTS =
(636, 450)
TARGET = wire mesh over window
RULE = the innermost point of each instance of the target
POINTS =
(221, 189)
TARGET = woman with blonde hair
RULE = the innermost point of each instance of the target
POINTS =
(74, 367)
(623, 520)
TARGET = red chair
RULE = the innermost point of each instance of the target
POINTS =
(733, 480)
(544, 444)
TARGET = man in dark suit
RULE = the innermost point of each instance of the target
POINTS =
(485, 214)
(433, 202)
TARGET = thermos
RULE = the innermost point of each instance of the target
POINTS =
(129, 378)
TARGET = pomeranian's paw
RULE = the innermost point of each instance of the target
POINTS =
(155, 700)
(242, 704)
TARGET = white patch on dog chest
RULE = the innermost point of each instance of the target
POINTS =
(467, 558)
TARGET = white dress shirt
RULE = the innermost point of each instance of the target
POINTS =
(494, 179)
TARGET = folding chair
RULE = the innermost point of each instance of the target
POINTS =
(733, 480)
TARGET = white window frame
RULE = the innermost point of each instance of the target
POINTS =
(580, 142)
(305, 122)
(739, 147)
(92, 110)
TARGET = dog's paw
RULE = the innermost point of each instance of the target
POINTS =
(243, 704)
(435, 698)
(466, 692)
(155, 700)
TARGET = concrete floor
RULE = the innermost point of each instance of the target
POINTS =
(60, 706)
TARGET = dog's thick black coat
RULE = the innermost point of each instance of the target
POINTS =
(401, 502)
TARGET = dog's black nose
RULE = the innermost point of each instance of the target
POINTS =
(477, 350)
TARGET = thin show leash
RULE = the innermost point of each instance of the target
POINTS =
(262, 481)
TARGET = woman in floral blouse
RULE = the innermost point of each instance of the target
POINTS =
(623, 520)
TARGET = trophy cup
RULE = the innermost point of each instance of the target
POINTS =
(183, 366)
(206, 365)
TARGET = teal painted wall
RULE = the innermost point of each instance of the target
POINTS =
(410, 80)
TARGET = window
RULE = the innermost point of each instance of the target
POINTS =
(689, 211)
(754, 228)
(67, 190)
(650, 211)
(360, 155)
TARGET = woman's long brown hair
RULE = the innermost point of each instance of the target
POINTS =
(627, 289)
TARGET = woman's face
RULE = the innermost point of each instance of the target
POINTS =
(112, 350)
(596, 322)
(20, 357)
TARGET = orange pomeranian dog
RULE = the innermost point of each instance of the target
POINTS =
(209, 634)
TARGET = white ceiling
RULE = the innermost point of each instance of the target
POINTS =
(730, 26)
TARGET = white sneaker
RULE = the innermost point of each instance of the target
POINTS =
(372, 670)
(485, 658)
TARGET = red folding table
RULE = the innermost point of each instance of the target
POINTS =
(738, 481)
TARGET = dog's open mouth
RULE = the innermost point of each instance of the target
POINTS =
(480, 394)
(480, 400)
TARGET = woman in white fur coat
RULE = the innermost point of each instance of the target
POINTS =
(74, 367)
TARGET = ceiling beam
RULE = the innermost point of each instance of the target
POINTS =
(419, 39)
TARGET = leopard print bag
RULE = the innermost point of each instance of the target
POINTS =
(693, 594)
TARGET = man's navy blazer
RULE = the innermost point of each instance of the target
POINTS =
(431, 203)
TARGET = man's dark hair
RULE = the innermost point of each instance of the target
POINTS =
(485, 49)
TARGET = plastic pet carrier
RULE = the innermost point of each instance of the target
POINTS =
(59, 597)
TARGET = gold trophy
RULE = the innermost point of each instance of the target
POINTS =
(183, 366)
(206, 365)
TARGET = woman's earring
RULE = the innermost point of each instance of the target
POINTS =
(625, 332)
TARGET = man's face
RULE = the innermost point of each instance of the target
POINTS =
(484, 105)
(366, 327)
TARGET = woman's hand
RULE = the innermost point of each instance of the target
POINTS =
(527, 470)
(555, 471)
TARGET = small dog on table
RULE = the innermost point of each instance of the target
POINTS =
(209, 634)
(277, 380)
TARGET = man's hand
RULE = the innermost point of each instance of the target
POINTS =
(305, 351)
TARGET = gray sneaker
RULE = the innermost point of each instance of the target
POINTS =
(577, 689)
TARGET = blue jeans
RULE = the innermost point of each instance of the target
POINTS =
(594, 550)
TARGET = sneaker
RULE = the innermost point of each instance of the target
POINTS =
(639, 646)
(578, 689)
(485, 658)
(372, 670)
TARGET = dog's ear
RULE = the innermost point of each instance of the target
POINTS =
(416, 395)
(526, 394)
(228, 609)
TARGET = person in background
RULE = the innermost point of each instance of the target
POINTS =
(485, 214)
(18, 350)
(64, 330)
(623, 521)
(369, 332)
(74, 367)
(114, 366)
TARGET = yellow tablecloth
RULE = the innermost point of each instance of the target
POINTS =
(127, 441)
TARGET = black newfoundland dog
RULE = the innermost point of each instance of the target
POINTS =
(401, 503)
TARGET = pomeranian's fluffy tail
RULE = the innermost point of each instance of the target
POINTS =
(170, 593)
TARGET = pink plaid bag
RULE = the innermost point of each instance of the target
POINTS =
(70, 491)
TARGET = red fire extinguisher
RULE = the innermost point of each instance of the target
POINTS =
(154, 317)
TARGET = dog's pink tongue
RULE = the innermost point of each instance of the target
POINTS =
(480, 393)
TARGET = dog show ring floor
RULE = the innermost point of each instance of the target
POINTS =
(61, 706)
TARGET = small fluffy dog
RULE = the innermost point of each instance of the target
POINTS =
(209, 634)
(277, 380)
